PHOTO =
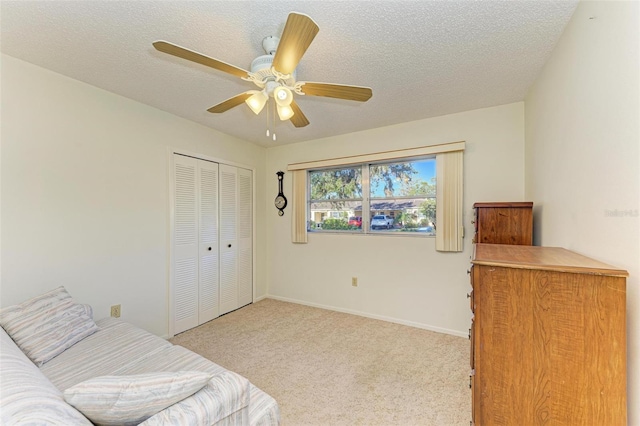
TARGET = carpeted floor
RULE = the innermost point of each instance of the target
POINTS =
(329, 368)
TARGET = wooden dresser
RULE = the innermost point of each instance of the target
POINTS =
(548, 338)
(503, 223)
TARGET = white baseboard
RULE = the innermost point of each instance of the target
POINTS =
(257, 299)
(368, 315)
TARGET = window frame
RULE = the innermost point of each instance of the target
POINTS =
(449, 196)
(366, 200)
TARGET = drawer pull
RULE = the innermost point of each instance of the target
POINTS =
(468, 295)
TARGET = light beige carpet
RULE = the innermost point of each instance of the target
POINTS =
(330, 368)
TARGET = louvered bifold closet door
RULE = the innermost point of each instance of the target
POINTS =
(228, 238)
(185, 244)
(195, 243)
(209, 247)
(245, 237)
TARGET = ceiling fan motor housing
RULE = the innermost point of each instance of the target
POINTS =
(261, 67)
(270, 44)
(261, 62)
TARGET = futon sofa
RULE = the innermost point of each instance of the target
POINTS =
(59, 367)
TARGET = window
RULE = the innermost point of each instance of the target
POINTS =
(335, 196)
(357, 188)
(403, 194)
(400, 198)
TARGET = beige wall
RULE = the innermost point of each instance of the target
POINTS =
(583, 151)
(85, 193)
(401, 279)
(85, 190)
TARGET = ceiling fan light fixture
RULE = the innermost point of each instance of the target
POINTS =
(274, 73)
(283, 96)
(285, 112)
(257, 101)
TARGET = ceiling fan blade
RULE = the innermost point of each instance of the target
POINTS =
(190, 55)
(230, 103)
(339, 91)
(297, 35)
(298, 119)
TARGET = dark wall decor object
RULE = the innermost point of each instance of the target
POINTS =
(503, 223)
(280, 201)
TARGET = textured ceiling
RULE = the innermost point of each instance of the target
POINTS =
(421, 58)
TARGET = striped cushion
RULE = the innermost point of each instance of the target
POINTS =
(225, 398)
(26, 396)
(88, 309)
(46, 325)
(105, 353)
(119, 348)
(129, 400)
(263, 409)
(216, 402)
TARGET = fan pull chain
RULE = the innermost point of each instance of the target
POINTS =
(268, 118)
(273, 116)
(271, 133)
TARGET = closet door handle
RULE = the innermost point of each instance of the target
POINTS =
(209, 249)
(229, 246)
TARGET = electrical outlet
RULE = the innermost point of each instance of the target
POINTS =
(354, 281)
(115, 311)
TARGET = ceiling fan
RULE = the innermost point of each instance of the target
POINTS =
(275, 73)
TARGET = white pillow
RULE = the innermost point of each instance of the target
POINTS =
(225, 400)
(129, 400)
(47, 325)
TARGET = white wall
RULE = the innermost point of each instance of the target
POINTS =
(85, 193)
(583, 151)
(402, 279)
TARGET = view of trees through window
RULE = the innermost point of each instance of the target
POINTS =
(400, 197)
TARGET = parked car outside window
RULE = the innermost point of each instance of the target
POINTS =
(381, 221)
(355, 221)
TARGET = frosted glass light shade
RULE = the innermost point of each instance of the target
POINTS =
(257, 101)
(283, 96)
(285, 112)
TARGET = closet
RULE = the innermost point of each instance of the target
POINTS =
(212, 249)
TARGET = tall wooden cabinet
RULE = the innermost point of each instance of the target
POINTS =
(503, 223)
(548, 338)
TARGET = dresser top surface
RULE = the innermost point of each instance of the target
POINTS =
(546, 258)
(514, 204)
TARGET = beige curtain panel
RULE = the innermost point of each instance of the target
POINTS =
(449, 230)
(299, 208)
